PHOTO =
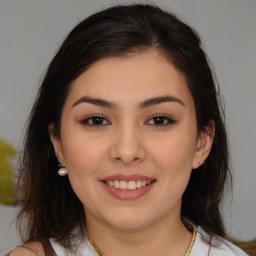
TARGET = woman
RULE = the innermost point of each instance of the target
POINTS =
(126, 151)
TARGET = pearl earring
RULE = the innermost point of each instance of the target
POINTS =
(62, 171)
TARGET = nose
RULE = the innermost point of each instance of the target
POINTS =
(127, 147)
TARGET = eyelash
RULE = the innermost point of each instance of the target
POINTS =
(87, 120)
(167, 120)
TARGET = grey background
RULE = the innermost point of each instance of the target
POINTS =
(32, 30)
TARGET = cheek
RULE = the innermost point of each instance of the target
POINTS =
(174, 152)
(82, 153)
(174, 157)
(83, 157)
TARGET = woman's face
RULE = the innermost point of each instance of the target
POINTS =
(129, 140)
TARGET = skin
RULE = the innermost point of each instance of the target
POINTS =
(128, 141)
(29, 249)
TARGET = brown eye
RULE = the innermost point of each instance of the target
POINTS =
(160, 121)
(95, 121)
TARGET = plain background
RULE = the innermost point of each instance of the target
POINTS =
(32, 30)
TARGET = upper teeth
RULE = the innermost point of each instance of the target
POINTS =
(131, 185)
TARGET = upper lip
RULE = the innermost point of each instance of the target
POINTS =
(127, 178)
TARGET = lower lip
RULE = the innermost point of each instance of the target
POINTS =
(126, 194)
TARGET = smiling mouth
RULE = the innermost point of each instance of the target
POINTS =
(128, 185)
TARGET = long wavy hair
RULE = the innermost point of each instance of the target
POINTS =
(50, 208)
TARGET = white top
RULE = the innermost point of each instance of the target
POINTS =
(219, 247)
(84, 249)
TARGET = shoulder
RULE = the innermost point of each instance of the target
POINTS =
(28, 249)
(82, 247)
(226, 248)
(215, 246)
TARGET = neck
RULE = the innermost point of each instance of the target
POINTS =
(166, 237)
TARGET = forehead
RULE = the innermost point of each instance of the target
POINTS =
(130, 79)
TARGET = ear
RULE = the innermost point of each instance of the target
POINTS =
(56, 143)
(204, 144)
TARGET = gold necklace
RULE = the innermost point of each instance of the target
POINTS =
(97, 249)
(193, 240)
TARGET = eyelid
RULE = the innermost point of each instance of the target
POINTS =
(169, 119)
(85, 120)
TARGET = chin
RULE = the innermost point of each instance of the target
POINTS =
(129, 224)
(128, 219)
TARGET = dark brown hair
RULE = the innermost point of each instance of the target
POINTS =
(49, 205)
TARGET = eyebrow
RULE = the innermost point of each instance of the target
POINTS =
(158, 100)
(145, 104)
